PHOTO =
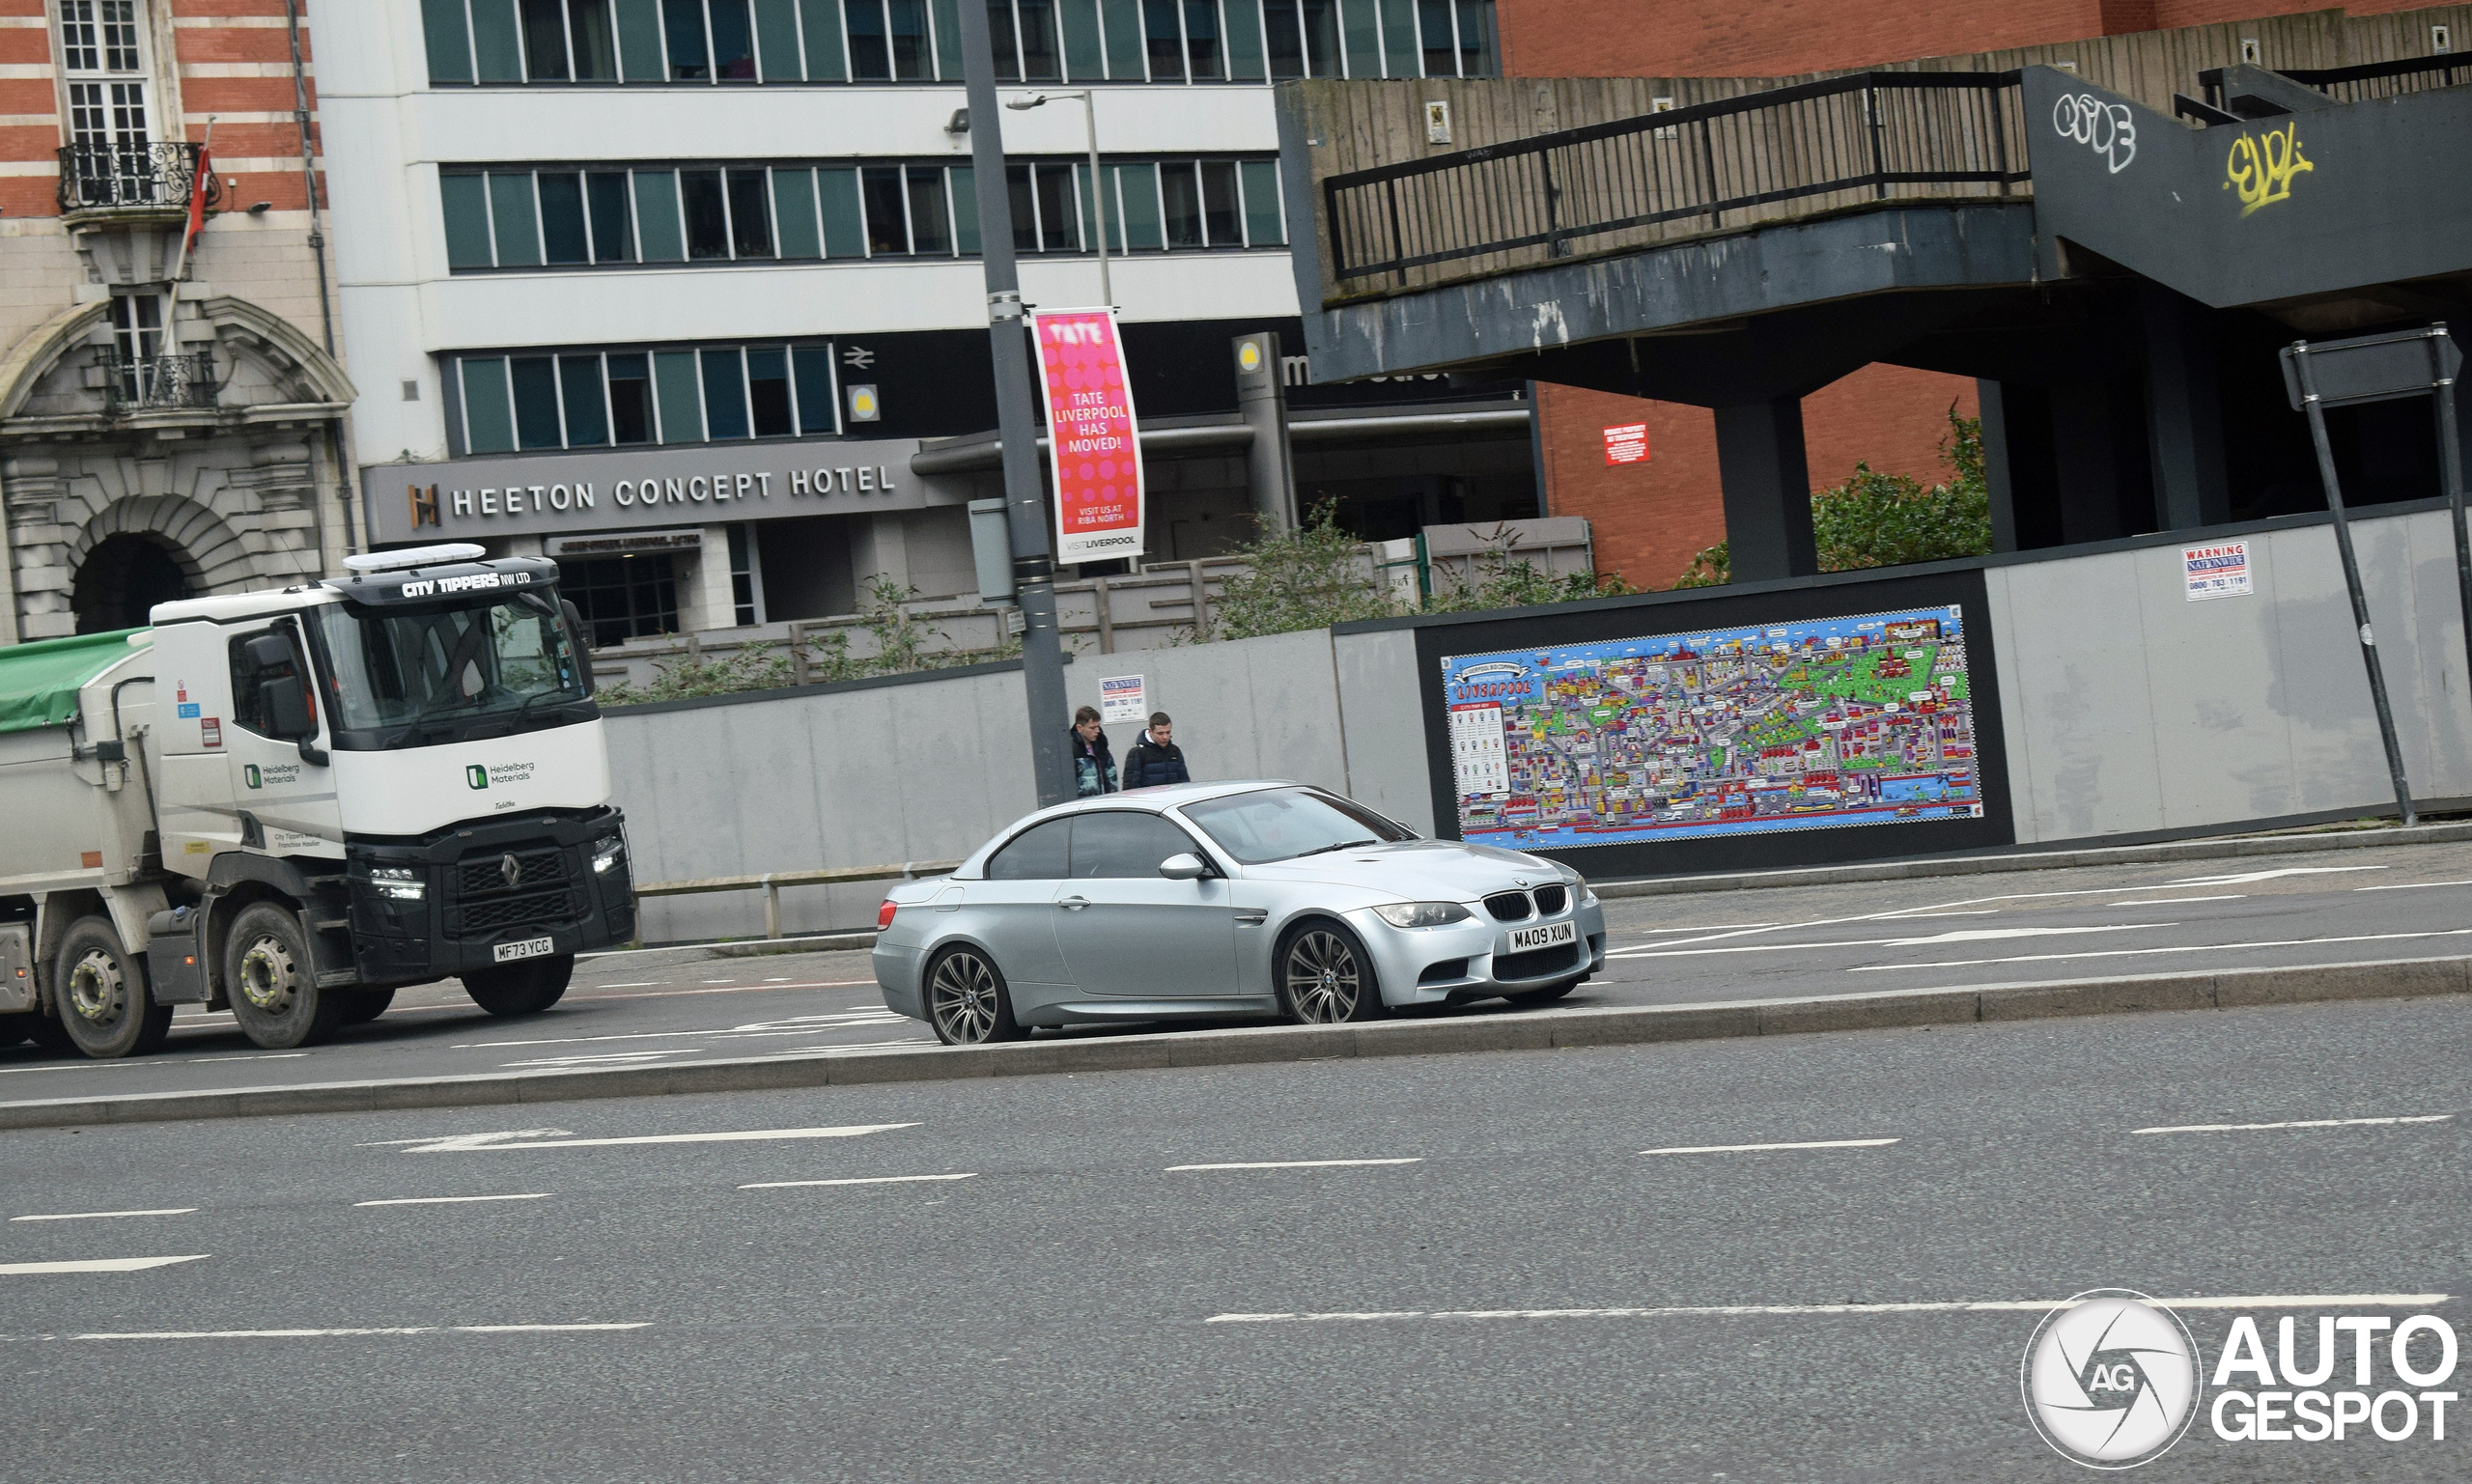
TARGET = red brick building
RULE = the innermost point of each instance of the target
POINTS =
(169, 419)
(1650, 517)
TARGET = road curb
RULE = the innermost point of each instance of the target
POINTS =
(1507, 1031)
(2225, 848)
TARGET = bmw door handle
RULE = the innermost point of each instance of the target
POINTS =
(1073, 904)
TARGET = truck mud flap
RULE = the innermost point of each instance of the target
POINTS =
(172, 963)
(330, 948)
(17, 967)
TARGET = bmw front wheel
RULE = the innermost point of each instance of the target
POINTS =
(967, 1002)
(1324, 977)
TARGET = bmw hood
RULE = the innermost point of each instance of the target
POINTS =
(1418, 870)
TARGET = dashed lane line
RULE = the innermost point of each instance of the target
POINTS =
(1291, 1164)
(1729, 1310)
(302, 1335)
(97, 1265)
(785, 1184)
(2124, 953)
(2300, 1123)
(1822, 1143)
(468, 1143)
(94, 1215)
(450, 1201)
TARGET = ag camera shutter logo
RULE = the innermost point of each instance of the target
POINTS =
(2111, 1380)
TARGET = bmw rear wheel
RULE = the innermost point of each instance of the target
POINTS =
(1324, 977)
(967, 1001)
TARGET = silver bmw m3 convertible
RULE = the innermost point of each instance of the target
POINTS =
(1226, 899)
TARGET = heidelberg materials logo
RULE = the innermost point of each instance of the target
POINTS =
(477, 776)
(2111, 1380)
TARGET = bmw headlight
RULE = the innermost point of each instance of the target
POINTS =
(1581, 891)
(1421, 914)
(607, 851)
(397, 882)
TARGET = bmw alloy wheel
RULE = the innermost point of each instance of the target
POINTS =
(1325, 982)
(966, 1000)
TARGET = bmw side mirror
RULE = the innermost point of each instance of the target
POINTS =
(1186, 866)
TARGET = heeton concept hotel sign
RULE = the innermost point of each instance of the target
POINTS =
(558, 492)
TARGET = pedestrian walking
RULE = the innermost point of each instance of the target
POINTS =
(1155, 759)
(1094, 764)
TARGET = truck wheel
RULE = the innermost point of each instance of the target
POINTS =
(362, 1006)
(273, 987)
(102, 993)
(520, 988)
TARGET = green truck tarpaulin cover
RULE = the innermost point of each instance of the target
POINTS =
(38, 682)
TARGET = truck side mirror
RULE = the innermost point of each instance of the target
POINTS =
(583, 645)
(285, 704)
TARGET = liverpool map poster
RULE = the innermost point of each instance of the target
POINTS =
(1813, 724)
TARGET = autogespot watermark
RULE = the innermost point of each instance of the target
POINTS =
(2112, 1380)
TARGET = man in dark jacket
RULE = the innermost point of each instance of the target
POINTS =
(1155, 760)
(1094, 766)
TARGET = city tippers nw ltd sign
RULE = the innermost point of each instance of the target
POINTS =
(560, 493)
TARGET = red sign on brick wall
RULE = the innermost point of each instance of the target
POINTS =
(1627, 444)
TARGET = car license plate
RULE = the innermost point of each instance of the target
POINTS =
(1544, 937)
(538, 947)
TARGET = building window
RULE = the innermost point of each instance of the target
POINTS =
(568, 218)
(601, 399)
(106, 65)
(710, 43)
(747, 590)
(621, 598)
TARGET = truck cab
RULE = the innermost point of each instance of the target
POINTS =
(357, 784)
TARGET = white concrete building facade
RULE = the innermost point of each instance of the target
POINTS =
(687, 291)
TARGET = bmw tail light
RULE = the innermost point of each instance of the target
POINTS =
(884, 914)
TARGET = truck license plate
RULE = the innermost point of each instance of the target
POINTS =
(1544, 937)
(539, 947)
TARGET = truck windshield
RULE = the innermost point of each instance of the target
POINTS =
(398, 678)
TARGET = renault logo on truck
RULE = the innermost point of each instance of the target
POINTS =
(510, 870)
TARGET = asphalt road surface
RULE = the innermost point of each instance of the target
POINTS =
(677, 1006)
(1490, 1270)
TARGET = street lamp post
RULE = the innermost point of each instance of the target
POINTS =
(1017, 426)
(1098, 188)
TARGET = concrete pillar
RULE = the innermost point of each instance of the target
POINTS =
(1262, 401)
(879, 548)
(1767, 491)
(1995, 465)
(2086, 455)
(2183, 411)
(37, 553)
(704, 597)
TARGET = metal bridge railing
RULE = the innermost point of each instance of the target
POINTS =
(1842, 142)
(2369, 79)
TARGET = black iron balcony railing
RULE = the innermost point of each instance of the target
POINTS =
(97, 174)
(147, 382)
(2369, 79)
(1868, 136)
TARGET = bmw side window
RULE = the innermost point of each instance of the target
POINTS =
(1123, 845)
(1038, 853)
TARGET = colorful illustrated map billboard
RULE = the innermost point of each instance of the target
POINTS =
(1809, 725)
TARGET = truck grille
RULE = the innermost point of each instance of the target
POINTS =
(542, 894)
(486, 874)
(545, 908)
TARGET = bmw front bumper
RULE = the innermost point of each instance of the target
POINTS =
(1474, 959)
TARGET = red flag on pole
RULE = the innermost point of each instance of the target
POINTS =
(200, 180)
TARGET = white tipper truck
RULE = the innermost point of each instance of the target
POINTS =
(292, 802)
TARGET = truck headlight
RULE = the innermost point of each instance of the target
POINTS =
(606, 853)
(399, 882)
(1421, 915)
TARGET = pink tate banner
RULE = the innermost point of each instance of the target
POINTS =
(1093, 445)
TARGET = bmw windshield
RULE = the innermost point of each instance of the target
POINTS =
(451, 672)
(1285, 824)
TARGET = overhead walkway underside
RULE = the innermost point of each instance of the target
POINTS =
(2116, 277)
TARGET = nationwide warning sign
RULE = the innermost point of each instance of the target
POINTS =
(2217, 569)
(1094, 448)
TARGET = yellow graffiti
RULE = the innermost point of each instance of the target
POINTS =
(2260, 168)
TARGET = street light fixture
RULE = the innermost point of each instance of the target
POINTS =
(1098, 192)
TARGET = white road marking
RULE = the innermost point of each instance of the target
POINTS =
(298, 1334)
(2121, 953)
(2237, 896)
(1823, 1143)
(2409, 885)
(88, 1215)
(432, 1138)
(794, 1025)
(2304, 1122)
(472, 1142)
(628, 984)
(744, 989)
(449, 1200)
(783, 1185)
(1712, 927)
(783, 979)
(1723, 1310)
(1969, 911)
(100, 1265)
(1292, 1164)
(2243, 877)
(1975, 934)
(606, 1058)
